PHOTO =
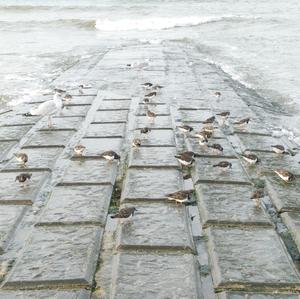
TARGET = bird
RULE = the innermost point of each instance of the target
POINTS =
(278, 149)
(23, 177)
(22, 158)
(81, 87)
(151, 115)
(202, 136)
(209, 120)
(180, 196)
(243, 121)
(151, 94)
(250, 158)
(285, 175)
(190, 153)
(67, 98)
(185, 128)
(136, 142)
(110, 156)
(48, 108)
(147, 85)
(145, 130)
(60, 91)
(157, 87)
(223, 165)
(185, 160)
(224, 114)
(79, 149)
(208, 130)
(257, 195)
(217, 94)
(216, 147)
(146, 101)
(124, 213)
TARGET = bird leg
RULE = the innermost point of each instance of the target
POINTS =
(50, 125)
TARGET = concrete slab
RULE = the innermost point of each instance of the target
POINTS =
(150, 275)
(117, 116)
(153, 157)
(162, 138)
(77, 204)
(157, 225)
(106, 130)
(221, 204)
(240, 258)
(49, 138)
(292, 221)
(12, 192)
(57, 256)
(86, 171)
(204, 171)
(152, 184)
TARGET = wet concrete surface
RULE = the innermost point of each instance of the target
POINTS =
(57, 239)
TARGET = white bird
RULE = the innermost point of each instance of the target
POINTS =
(49, 108)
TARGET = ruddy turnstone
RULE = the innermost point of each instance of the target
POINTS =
(224, 114)
(124, 213)
(147, 85)
(136, 142)
(223, 165)
(21, 158)
(285, 175)
(257, 195)
(145, 130)
(23, 177)
(180, 196)
(185, 128)
(185, 160)
(110, 156)
(190, 153)
(79, 149)
(209, 120)
(243, 121)
(250, 158)
(217, 94)
(146, 101)
(67, 98)
(151, 115)
(278, 149)
(208, 130)
(151, 94)
(216, 147)
(60, 91)
(202, 136)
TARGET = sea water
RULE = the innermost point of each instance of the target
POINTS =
(255, 42)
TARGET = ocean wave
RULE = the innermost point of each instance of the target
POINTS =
(160, 23)
(78, 23)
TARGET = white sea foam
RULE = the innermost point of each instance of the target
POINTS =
(158, 23)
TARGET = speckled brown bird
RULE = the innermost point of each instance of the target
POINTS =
(136, 142)
(243, 121)
(151, 115)
(22, 158)
(124, 213)
(217, 94)
(151, 94)
(224, 114)
(185, 128)
(250, 158)
(257, 195)
(278, 149)
(285, 175)
(110, 156)
(145, 130)
(23, 177)
(180, 196)
(185, 160)
(216, 147)
(224, 165)
(79, 149)
(209, 120)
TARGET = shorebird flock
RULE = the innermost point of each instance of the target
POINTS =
(186, 159)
